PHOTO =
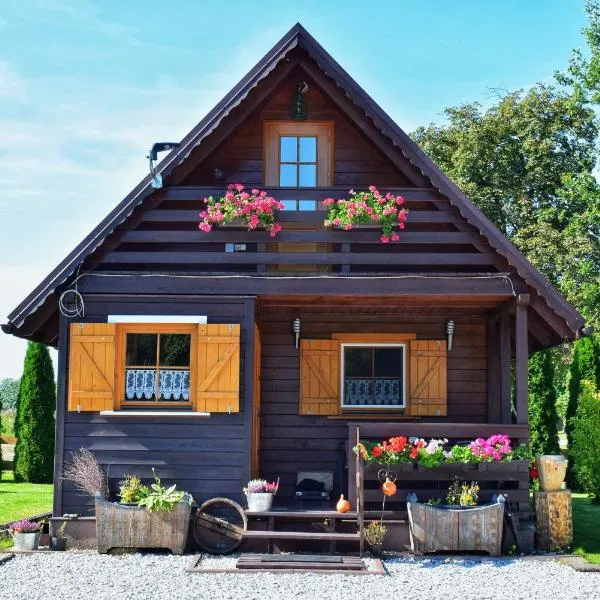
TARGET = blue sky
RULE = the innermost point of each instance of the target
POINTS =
(87, 87)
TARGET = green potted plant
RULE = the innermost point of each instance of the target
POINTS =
(58, 542)
(375, 533)
(26, 535)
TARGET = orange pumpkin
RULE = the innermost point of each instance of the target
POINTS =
(388, 487)
(343, 505)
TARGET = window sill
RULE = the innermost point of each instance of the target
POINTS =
(374, 417)
(154, 413)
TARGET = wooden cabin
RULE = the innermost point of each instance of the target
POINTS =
(185, 356)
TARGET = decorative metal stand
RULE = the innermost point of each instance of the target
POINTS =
(382, 475)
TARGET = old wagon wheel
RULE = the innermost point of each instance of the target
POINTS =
(219, 526)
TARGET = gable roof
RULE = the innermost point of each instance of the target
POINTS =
(297, 37)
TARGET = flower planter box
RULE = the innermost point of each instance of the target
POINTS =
(126, 526)
(456, 529)
(458, 469)
(26, 542)
(374, 468)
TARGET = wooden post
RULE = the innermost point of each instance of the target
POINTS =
(360, 493)
(553, 519)
(505, 379)
(493, 372)
(61, 407)
(521, 358)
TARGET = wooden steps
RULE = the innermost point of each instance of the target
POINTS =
(302, 535)
(300, 562)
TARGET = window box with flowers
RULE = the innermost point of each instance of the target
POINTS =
(368, 209)
(238, 207)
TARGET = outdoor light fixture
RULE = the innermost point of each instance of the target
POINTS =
(296, 328)
(153, 157)
(299, 106)
(449, 332)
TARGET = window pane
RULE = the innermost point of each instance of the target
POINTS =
(358, 392)
(288, 175)
(141, 349)
(308, 175)
(289, 204)
(174, 385)
(140, 384)
(388, 392)
(175, 350)
(307, 205)
(388, 362)
(358, 362)
(308, 149)
(288, 149)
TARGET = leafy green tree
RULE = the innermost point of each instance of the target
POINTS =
(9, 392)
(585, 366)
(34, 423)
(543, 419)
(586, 441)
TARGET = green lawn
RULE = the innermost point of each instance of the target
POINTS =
(20, 500)
(586, 528)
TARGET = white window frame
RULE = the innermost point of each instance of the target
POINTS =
(343, 346)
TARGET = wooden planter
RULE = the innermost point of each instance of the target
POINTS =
(509, 466)
(435, 529)
(126, 526)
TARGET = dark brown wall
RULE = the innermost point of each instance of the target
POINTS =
(206, 457)
(357, 162)
(290, 442)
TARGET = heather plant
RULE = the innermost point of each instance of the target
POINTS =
(368, 208)
(24, 526)
(261, 486)
(255, 208)
(34, 422)
(84, 470)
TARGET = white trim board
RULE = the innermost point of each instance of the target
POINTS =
(202, 320)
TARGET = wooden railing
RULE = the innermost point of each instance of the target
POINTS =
(511, 478)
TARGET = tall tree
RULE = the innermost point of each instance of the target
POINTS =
(543, 420)
(34, 423)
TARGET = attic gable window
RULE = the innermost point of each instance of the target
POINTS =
(298, 155)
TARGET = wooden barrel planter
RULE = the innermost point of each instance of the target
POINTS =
(456, 529)
(128, 526)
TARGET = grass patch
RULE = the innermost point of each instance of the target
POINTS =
(586, 528)
(20, 500)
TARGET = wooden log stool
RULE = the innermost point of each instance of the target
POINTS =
(554, 520)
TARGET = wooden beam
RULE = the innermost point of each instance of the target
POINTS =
(240, 284)
(61, 407)
(355, 237)
(296, 258)
(196, 193)
(493, 372)
(248, 333)
(307, 217)
(521, 358)
(505, 363)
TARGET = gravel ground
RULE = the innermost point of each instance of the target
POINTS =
(136, 576)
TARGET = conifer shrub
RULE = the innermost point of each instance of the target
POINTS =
(34, 422)
(586, 440)
(543, 419)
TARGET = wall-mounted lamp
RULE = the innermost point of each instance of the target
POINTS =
(299, 106)
(296, 328)
(449, 332)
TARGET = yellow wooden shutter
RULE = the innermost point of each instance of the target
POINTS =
(218, 368)
(319, 377)
(428, 381)
(91, 367)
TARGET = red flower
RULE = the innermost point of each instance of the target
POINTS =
(414, 452)
(398, 443)
(376, 451)
(533, 473)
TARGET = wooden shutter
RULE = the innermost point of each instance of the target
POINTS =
(91, 367)
(319, 377)
(218, 368)
(428, 386)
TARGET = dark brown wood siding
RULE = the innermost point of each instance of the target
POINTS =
(290, 442)
(357, 162)
(206, 457)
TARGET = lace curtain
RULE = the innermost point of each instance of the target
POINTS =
(359, 392)
(173, 384)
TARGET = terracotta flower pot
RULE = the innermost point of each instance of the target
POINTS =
(552, 469)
